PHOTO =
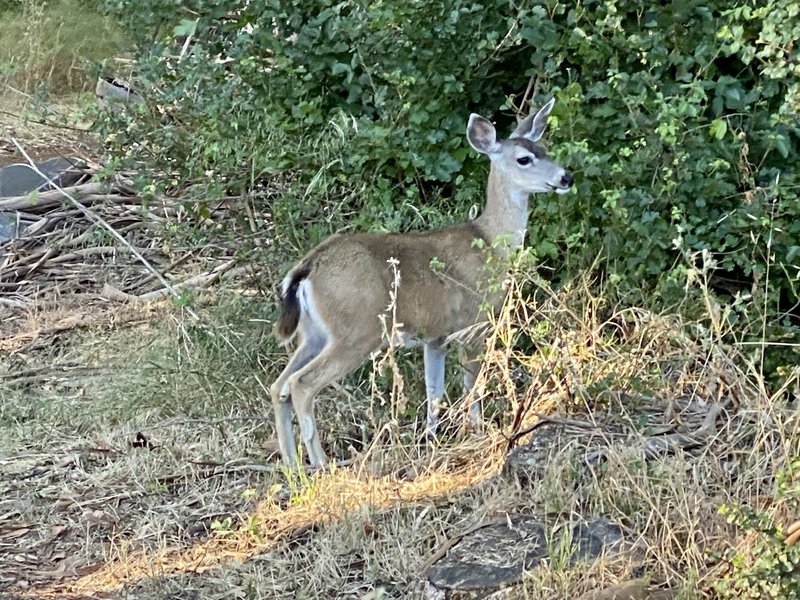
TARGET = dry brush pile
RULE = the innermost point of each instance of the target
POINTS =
(85, 248)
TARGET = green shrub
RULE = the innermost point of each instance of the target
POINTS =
(770, 568)
(679, 119)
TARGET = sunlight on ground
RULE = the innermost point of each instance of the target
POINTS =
(325, 498)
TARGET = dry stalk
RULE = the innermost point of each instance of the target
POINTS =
(392, 333)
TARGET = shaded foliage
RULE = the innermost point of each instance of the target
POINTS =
(770, 567)
(679, 119)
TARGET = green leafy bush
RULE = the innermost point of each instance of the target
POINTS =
(771, 567)
(680, 120)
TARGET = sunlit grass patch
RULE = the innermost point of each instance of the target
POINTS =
(323, 500)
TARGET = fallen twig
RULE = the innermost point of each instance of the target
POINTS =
(201, 280)
(450, 542)
(176, 263)
(546, 419)
(51, 198)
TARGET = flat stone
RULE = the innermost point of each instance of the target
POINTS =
(497, 555)
(8, 226)
(492, 557)
(635, 589)
(530, 461)
(593, 538)
(20, 179)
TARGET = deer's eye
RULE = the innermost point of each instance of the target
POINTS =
(524, 161)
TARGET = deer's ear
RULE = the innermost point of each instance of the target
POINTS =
(482, 135)
(533, 126)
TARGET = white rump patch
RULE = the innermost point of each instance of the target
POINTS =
(285, 285)
(311, 323)
(306, 300)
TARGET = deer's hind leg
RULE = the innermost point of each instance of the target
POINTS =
(311, 344)
(335, 361)
(433, 357)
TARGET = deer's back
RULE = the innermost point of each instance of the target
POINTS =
(444, 280)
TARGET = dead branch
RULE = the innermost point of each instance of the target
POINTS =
(176, 263)
(42, 200)
(197, 281)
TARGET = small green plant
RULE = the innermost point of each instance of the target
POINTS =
(253, 528)
(437, 264)
(561, 548)
(770, 568)
(222, 526)
(298, 481)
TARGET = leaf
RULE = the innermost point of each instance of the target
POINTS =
(187, 27)
(546, 248)
(782, 145)
(339, 68)
(718, 129)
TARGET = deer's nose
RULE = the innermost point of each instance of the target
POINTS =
(567, 180)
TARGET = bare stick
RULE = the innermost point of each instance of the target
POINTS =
(47, 199)
(202, 280)
(450, 542)
(167, 269)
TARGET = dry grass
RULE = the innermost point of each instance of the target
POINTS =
(49, 47)
(137, 457)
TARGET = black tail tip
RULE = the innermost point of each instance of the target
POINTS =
(290, 306)
(287, 324)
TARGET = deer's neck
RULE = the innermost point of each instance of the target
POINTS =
(505, 215)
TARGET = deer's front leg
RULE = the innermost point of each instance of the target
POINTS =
(471, 366)
(434, 385)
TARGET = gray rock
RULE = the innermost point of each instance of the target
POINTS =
(8, 226)
(557, 439)
(492, 557)
(497, 555)
(20, 179)
(593, 538)
(530, 461)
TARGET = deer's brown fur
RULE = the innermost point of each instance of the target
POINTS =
(334, 298)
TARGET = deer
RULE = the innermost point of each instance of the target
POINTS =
(334, 298)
